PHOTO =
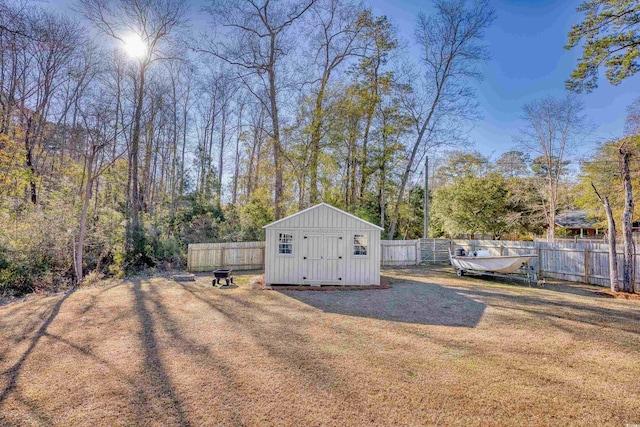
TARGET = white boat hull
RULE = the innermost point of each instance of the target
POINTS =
(493, 264)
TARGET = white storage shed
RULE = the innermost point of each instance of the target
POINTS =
(322, 245)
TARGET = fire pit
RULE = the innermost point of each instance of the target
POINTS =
(222, 273)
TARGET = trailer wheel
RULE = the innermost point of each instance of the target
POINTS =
(459, 273)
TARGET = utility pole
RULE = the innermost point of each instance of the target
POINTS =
(425, 232)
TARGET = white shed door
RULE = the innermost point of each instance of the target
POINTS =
(333, 259)
(323, 260)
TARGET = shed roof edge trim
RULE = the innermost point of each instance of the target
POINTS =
(329, 206)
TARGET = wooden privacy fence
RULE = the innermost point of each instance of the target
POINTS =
(578, 262)
(250, 255)
(237, 256)
(400, 252)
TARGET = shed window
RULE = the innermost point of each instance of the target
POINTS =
(360, 244)
(285, 244)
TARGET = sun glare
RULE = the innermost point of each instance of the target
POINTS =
(134, 46)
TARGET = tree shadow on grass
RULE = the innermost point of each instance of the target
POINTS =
(160, 383)
(270, 329)
(623, 318)
(418, 303)
(14, 371)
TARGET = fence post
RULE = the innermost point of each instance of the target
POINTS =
(417, 246)
(633, 280)
(587, 267)
(501, 250)
(222, 258)
(539, 253)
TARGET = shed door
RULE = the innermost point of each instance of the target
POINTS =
(333, 257)
(312, 257)
(322, 258)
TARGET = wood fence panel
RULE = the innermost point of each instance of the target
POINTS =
(234, 255)
(400, 252)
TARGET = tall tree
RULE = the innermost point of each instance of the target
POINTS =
(626, 150)
(257, 41)
(338, 25)
(142, 26)
(611, 233)
(95, 132)
(450, 40)
(554, 127)
(372, 83)
(610, 31)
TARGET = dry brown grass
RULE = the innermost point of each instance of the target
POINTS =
(155, 352)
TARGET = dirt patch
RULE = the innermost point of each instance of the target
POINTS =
(620, 295)
(257, 283)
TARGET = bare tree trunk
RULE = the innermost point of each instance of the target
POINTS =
(611, 232)
(83, 218)
(136, 206)
(364, 168)
(277, 147)
(147, 171)
(407, 172)
(33, 194)
(236, 170)
(223, 136)
(117, 113)
(552, 213)
(174, 149)
(185, 118)
(315, 145)
(627, 218)
(449, 40)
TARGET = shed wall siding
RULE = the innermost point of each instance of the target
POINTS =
(322, 217)
(289, 269)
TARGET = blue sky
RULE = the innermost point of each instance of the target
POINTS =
(528, 62)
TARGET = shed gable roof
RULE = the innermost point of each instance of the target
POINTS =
(297, 220)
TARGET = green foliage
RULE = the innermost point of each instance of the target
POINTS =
(473, 205)
(610, 34)
(461, 164)
(256, 213)
(36, 252)
(411, 214)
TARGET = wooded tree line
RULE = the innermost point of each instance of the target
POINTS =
(127, 131)
(126, 134)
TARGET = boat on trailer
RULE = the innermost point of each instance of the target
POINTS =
(480, 262)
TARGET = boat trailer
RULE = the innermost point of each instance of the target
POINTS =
(481, 263)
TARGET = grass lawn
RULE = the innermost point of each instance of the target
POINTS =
(433, 349)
